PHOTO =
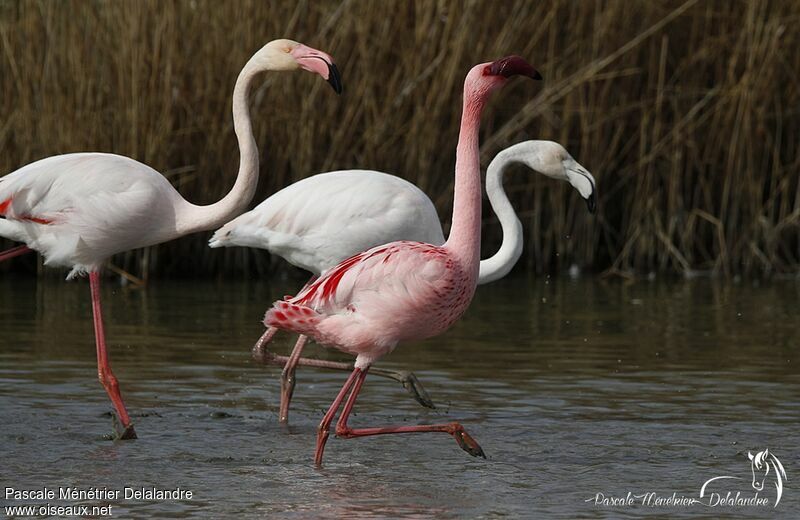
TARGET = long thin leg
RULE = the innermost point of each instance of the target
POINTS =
(104, 373)
(464, 440)
(409, 381)
(325, 425)
(8, 254)
(288, 378)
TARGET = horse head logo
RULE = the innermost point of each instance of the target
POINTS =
(765, 465)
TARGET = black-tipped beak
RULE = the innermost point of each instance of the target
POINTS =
(591, 203)
(512, 66)
(333, 78)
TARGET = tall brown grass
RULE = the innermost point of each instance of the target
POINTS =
(687, 113)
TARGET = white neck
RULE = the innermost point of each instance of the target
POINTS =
(194, 218)
(500, 264)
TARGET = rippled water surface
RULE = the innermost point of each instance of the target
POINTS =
(572, 387)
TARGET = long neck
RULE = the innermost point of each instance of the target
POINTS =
(499, 264)
(201, 218)
(465, 233)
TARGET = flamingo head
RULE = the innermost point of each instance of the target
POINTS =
(487, 77)
(552, 160)
(286, 54)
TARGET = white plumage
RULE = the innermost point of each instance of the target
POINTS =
(79, 209)
(321, 220)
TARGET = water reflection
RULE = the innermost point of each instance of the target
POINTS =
(571, 387)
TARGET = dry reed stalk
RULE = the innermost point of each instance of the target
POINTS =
(687, 112)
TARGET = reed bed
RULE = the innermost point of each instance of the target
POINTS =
(686, 113)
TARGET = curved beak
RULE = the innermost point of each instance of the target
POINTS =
(512, 66)
(333, 78)
(319, 62)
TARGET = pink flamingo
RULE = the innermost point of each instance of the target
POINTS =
(403, 290)
(79, 209)
(324, 219)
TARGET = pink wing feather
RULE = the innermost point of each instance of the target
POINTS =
(377, 298)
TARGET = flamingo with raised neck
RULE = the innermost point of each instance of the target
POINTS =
(79, 209)
(403, 290)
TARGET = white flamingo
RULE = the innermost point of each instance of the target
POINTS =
(79, 209)
(321, 220)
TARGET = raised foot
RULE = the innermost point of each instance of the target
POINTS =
(415, 388)
(467, 443)
(409, 382)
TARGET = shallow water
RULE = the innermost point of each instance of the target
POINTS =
(572, 387)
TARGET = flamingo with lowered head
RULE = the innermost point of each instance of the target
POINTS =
(403, 290)
(321, 220)
(79, 209)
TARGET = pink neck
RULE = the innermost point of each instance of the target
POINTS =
(465, 233)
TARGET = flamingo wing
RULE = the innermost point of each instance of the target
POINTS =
(374, 296)
(401, 269)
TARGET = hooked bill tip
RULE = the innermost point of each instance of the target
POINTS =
(591, 203)
(334, 79)
(512, 66)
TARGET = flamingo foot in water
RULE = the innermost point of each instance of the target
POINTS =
(123, 433)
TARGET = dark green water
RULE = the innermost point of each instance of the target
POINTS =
(572, 388)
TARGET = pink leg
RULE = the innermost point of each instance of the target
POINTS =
(8, 254)
(288, 378)
(464, 440)
(325, 425)
(104, 372)
(262, 355)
